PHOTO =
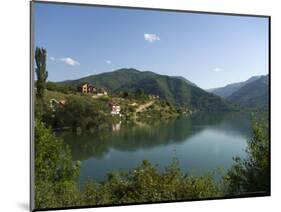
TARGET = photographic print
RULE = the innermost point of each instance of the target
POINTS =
(139, 106)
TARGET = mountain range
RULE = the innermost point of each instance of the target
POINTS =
(229, 89)
(252, 93)
(176, 90)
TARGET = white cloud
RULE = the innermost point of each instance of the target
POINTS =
(69, 61)
(151, 37)
(52, 58)
(217, 69)
(108, 61)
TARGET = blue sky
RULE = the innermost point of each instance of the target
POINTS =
(209, 50)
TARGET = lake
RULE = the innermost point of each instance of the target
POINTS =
(201, 143)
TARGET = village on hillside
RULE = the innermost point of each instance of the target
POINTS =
(129, 106)
(86, 88)
(99, 92)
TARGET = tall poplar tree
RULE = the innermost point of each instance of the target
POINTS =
(41, 72)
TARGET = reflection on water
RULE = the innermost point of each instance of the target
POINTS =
(201, 143)
(116, 127)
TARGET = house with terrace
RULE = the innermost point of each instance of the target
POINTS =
(87, 88)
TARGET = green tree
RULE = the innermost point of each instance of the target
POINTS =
(41, 71)
(253, 173)
(55, 173)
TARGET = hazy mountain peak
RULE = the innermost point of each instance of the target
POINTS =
(229, 89)
(252, 95)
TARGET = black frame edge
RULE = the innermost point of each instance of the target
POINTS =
(150, 8)
(31, 110)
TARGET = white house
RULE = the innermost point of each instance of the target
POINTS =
(115, 109)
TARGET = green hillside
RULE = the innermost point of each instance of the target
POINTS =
(175, 90)
(229, 89)
(252, 95)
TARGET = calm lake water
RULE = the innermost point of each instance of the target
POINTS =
(201, 143)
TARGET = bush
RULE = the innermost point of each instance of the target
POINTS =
(253, 173)
(55, 173)
(147, 184)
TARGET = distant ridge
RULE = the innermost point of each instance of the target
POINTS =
(229, 89)
(253, 95)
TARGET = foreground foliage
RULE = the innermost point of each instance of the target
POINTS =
(55, 173)
(147, 184)
(251, 175)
